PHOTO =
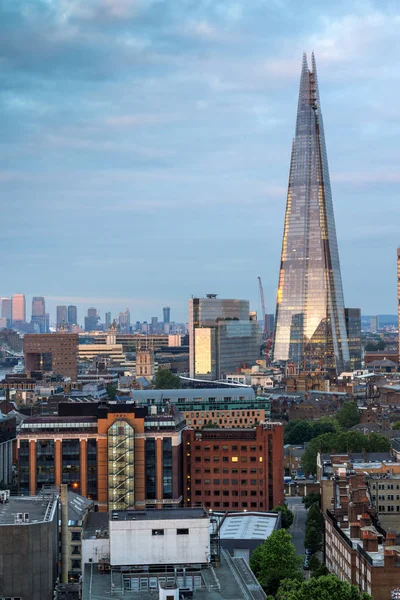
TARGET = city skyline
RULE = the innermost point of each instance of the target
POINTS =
(208, 134)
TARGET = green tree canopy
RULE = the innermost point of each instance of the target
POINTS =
(396, 425)
(111, 391)
(348, 415)
(328, 587)
(286, 517)
(311, 498)
(315, 517)
(274, 560)
(313, 539)
(299, 431)
(349, 441)
(317, 567)
(165, 380)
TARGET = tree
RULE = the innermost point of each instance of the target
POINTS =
(274, 560)
(328, 587)
(315, 517)
(311, 498)
(396, 426)
(111, 391)
(347, 441)
(166, 380)
(286, 515)
(298, 432)
(317, 568)
(313, 539)
(348, 415)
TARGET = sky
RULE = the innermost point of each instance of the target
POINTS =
(145, 147)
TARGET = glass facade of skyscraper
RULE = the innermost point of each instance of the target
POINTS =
(310, 327)
(222, 336)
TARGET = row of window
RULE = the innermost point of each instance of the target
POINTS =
(228, 493)
(389, 508)
(182, 531)
(229, 481)
(228, 448)
(233, 504)
(389, 486)
(388, 497)
(233, 459)
(232, 471)
(231, 413)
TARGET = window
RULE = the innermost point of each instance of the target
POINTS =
(182, 532)
(157, 532)
(216, 481)
(76, 536)
(234, 459)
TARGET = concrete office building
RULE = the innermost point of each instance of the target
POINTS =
(92, 319)
(6, 310)
(39, 313)
(56, 352)
(108, 320)
(121, 456)
(234, 469)
(18, 308)
(29, 557)
(222, 336)
(61, 316)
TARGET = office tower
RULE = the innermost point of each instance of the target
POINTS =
(6, 310)
(72, 315)
(256, 485)
(18, 308)
(166, 314)
(353, 328)
(222, 337)
(374, 324)
(39, 313)
(108, 320)
(91, 320)
(124, 320)
(62, 315)
(310, 327)
(55, 353)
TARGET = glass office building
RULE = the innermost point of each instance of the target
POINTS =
(310, 326)
(222, 336)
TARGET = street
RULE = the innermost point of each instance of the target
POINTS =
(298, 529)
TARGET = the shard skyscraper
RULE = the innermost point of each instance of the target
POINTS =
(310, 326)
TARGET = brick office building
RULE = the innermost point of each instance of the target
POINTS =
(234, 469)
(56, 352)
(119, 455)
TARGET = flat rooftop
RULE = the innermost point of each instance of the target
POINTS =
(248, 526)
(159, 514)
(35, 506)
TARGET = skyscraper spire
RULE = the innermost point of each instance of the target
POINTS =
(310, 326)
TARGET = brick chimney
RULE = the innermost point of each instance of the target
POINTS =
(391, 539)
(355, 530)
(365, 520)
(390, 557)
(370, 541)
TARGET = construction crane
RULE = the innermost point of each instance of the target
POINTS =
(263, 307)
(268, 338)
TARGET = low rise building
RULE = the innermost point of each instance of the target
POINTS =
(241, 532)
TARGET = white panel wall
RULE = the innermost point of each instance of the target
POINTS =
(95, 549)
(132, 542)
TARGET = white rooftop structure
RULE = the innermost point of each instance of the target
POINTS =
(248, 526)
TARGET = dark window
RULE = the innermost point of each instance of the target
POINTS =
(76, 536)
(182, 532)
(167, 468)
(151, 469)
(157, 532)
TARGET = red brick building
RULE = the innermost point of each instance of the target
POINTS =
(234, 469)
